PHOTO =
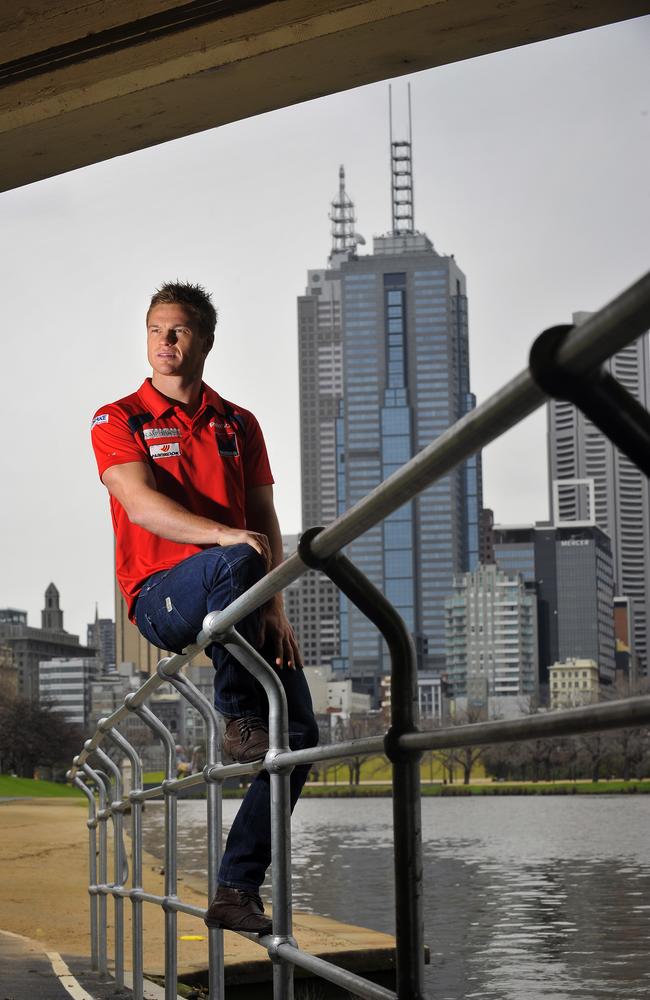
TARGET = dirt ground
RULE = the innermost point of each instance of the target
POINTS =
(43, 895)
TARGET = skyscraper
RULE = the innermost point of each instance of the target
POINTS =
(621, 493)
(320, 354)
(384, 370)
(570, 570)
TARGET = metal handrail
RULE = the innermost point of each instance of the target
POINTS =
(604, 333)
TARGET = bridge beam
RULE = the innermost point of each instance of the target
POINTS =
(85, 80)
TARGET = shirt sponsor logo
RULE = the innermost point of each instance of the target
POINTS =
(101, 418)
(161, 432)
(165, 450)
(226, 438)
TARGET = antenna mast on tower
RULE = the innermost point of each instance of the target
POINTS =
(401, 174)
(343, 218)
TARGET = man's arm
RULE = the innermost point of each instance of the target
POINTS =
(134, 487)
(261, 517)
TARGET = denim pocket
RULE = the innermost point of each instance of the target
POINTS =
(167, 627)
(154, 581)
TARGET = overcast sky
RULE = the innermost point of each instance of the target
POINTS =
(532, 166)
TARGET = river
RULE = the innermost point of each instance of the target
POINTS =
(525, 898)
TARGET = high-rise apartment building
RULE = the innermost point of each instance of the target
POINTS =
(579, 451)
(491, 631)
(384, 370)
(571, 572)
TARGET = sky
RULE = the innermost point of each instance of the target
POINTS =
(531, 166)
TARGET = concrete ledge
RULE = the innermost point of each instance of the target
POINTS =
(59, 112)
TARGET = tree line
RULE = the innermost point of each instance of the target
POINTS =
(33, 735)
(619, 754)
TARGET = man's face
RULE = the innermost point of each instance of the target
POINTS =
(174, 344)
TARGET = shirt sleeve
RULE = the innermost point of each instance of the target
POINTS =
(112, 441)
(257, 468)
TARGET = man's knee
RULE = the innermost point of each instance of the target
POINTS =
(243, 564)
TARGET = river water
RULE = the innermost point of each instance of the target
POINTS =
(525, 898)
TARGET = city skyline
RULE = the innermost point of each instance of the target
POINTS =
(518, 170)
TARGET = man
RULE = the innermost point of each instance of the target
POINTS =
(191, 499)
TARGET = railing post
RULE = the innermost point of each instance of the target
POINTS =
(407, 812)
(92, 865)
(119, 861)
(280, 803)
(102, 874)
(171, 814)
(214, 819)
(137, 933)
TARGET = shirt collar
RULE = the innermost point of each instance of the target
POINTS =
(213, 399)
(157, 404)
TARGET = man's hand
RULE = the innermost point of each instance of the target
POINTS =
(239, 536)
(277, 634)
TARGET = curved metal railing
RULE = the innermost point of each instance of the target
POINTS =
(577, 357)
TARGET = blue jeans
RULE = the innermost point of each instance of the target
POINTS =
(169, 613)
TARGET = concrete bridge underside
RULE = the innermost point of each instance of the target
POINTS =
(84, 80)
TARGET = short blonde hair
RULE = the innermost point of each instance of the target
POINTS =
(195, 299)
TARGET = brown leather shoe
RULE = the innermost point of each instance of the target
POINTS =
(246, 739)
(238, 910)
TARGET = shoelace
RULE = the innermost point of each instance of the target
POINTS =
(248, 725)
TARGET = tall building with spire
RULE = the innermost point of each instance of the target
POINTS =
(320, 353)
(52, 615)
(384, 369)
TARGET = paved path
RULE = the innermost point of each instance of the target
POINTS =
(28, 972)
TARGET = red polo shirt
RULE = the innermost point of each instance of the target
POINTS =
(206, 463)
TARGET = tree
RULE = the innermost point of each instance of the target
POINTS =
(629, 747)
(468, 756)
(33, 735)
(594, 748)
(354, 728)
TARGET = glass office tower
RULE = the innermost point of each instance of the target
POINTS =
(384, 370)
(405, 381)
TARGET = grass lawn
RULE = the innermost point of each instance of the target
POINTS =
(458, 789)
(25, 788)
(342, 789)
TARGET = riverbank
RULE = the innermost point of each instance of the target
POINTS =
(24, 788)
(44, 897)
(365, 791)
